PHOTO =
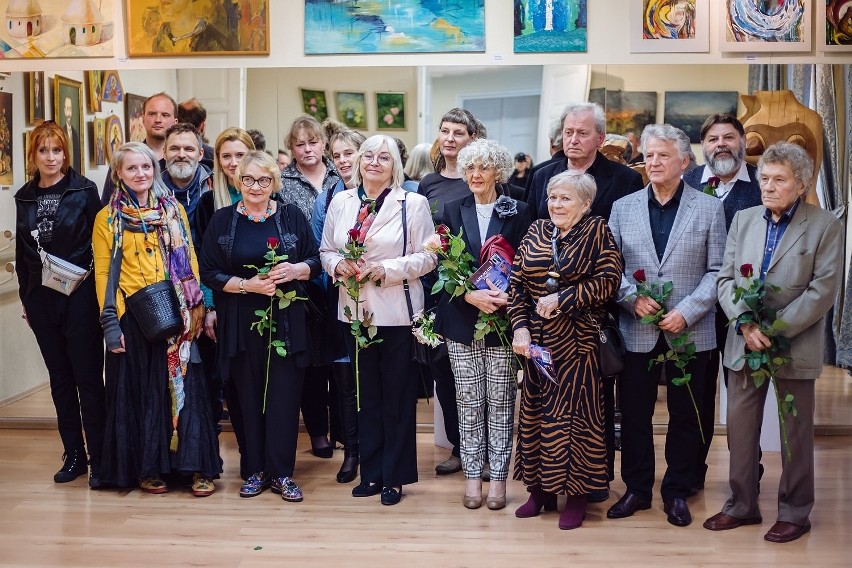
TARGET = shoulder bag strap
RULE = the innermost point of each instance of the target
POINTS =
(404, 249)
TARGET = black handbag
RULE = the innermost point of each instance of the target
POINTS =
(611, 348)
(157, 310)
(419, 351)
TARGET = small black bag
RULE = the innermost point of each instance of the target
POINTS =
(611, 347)
(157, 310)
(419, 351)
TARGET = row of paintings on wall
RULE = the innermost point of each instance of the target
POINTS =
(351, 108)
(85, 28)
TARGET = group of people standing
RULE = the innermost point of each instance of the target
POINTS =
(297, 288)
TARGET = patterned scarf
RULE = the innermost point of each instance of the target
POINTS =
(367, 213)
(160, 216)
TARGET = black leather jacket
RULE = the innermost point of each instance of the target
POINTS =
(72, 230)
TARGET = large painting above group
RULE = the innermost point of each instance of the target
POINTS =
(550, 25)
(56, 28)
(401, 26)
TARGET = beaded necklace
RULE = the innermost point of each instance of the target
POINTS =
(241, 208)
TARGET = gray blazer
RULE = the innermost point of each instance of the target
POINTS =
(806, 267)
(691, 261)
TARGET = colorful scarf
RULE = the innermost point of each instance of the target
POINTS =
(367, 213)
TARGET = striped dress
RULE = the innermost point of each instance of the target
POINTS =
(561, 426)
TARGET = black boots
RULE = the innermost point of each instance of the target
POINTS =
(76, 464)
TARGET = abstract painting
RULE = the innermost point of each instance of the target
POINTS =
(6, 177)
(669, 26)
(314, 104)
(390, 111)
(68, 114)
(626, 110)
(542, 26)
(35, 96)
(197, 27)
(114, 135)
(56, 28)
(401, 26)
(688, 110)
(765, 25)
(834, 27)
(352, 109)
(133, 112)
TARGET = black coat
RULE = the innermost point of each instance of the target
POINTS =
(72, 228)
(455, 318)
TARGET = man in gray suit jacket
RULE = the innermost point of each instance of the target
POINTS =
(797, 248)
(675, 234)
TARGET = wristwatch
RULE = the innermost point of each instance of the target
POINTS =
(242, 286)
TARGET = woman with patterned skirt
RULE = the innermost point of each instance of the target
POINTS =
(565, 271)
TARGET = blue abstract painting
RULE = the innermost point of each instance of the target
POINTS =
(550, 26)
(394, 26)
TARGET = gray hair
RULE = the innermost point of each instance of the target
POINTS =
(594, 108)
(419, 163)
(555, 135)
(583, 183)
(792, 155)
(373, 144)
(265, 162)
(669, 133)
(158, 189)
(488, 153)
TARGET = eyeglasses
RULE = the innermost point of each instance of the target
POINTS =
(383, 159)
(249, 181)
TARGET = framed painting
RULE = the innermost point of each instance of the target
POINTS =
(767, 25)
(97, 141)
(834, 25)
(314, 103)
(29, 168)
(670, 26)
(68, 114)
(134, 109)
(114, 136)
(626, 110)
(6, 177)
(35, 96)
(351, 109)
(688, 109)
(186, 27)
(401, 26)
(93, 90)
(390, 111)
(547, 27)
(111, 89)
(56, 28)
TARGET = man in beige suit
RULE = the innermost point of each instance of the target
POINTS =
(797, 248)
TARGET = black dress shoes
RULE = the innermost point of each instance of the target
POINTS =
(391, 495)
(627, 506)
(348, 470)
(76, 464)
(366, 489)
(677, 512)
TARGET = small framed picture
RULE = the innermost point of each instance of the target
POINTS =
(111, 89)
(68, 114)
(35, 97)
(834, 26)
(352, 109)
(134, 109)
(663, 26)
(93, 90)
(390, 111)
(29, 167)
(314, 103)
(114, 136)
(97, 137)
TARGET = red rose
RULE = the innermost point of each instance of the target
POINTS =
(713, 182)
(746, 270)
(639, 275)
(272, 242)
(442, 230)
(353, 234)
(445, 243)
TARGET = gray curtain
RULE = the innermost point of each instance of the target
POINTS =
(765, 78)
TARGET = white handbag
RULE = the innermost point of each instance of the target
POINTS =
(58, 274)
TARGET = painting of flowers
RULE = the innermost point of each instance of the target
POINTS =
(352, 109)
(390, 111)
(313, 103)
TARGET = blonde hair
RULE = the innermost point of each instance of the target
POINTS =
(221, 196)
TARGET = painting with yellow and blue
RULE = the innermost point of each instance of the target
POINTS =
(543, 26)
(401, 26)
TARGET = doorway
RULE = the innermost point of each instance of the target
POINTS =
(510, 120)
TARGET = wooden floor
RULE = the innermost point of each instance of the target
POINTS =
(46, 524)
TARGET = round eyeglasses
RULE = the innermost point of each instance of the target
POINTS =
(249, 181)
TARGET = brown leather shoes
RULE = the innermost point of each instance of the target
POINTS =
(627, 506)
(723, 522)
(783, 531)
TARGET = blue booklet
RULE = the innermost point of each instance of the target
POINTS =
(496, 269)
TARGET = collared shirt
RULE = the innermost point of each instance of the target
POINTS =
(774, 232)
(724, 189)
(662, 218)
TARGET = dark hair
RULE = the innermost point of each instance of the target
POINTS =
(466, 119)
(183, 128)
(721, 118)
(192, 111)
(403, 151)
(160, 95)
(258, 138)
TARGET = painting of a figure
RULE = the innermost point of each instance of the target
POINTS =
(98, 141)
(197, 27)
(68, 114)
(6, 177)
(133, 112)
(836, 28)
(401, 26)
(35, 96)
(664, 19)
(56, 28)
(550, 25)
(766, 25)
(114, 136)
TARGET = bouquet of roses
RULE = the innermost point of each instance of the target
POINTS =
(657, 291)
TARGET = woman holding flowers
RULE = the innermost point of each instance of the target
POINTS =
(483, 367)
(372, 245)
(566, 269)
(791, 251)
(255, 255)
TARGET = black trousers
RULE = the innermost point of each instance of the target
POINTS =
(683, 440)
(70, 338)
(387, 418)
(315, 400)
(445, 391)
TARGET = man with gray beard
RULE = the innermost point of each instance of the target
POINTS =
(726, 175)
(184, 174)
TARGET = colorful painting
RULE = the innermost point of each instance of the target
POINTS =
(352, 109)
(97, 138)
(6, 177)
(670, 26)
(626, 110)
(94, 87)
(56, 28)
(834, 30)
(313, 103)
(68, 114)
(114, 136)
(766, 25)
(197, 27)
(35, 96)
(134, 110)
(390, 111)
(401, 26)
(689, 110)
(543, 26)
(112, 91)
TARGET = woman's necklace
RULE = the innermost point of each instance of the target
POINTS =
(552, 282)
(241, 208)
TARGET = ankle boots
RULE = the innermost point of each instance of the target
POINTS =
(534, 504)
(76, 464)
